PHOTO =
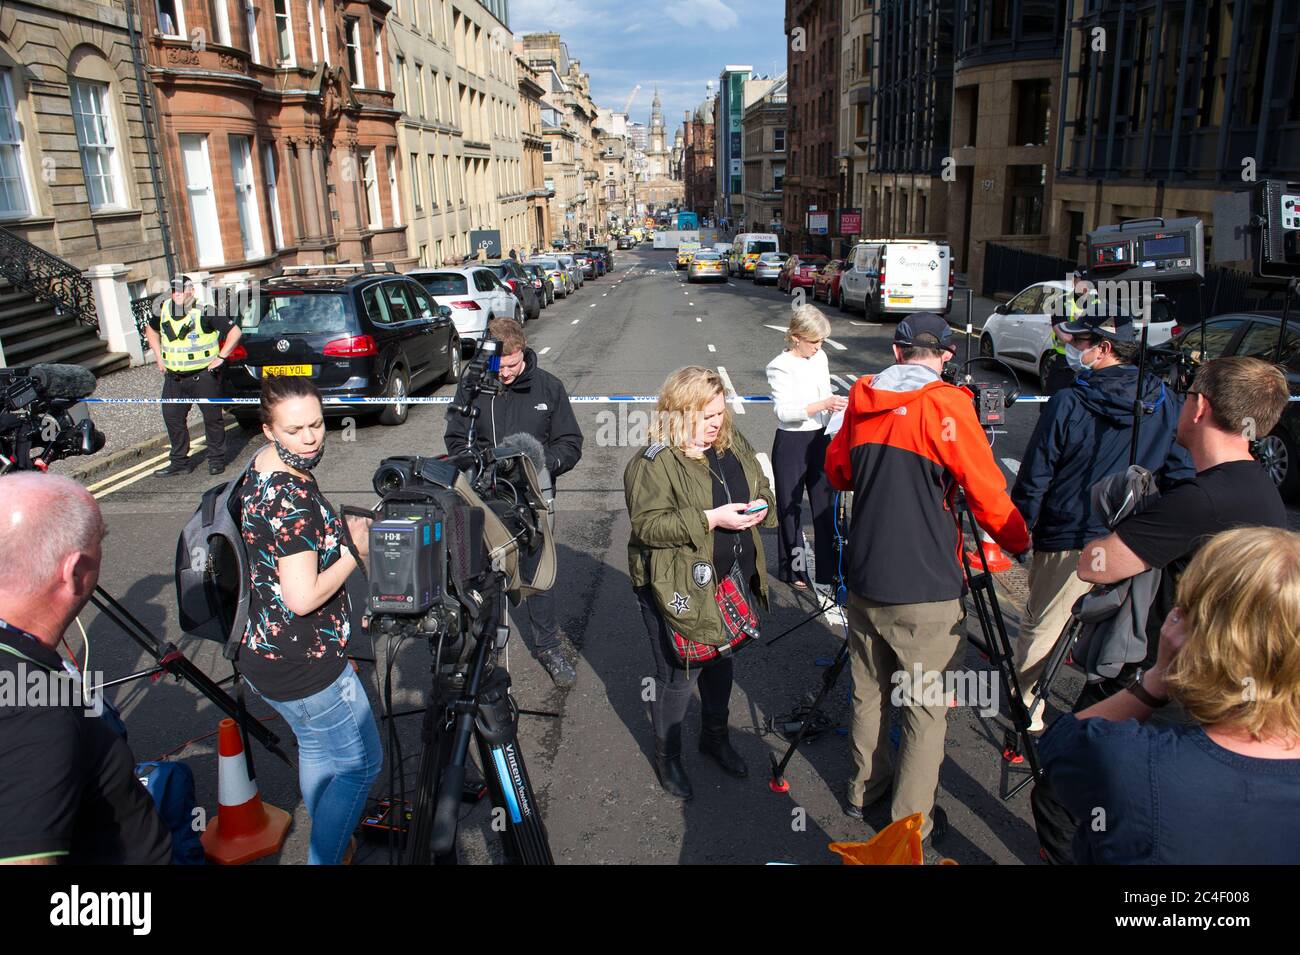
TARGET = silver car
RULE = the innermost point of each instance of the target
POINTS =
(560, 276)
(572, 267)
(704, 265)
(768, 267)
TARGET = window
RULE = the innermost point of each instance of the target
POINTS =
(324, 31)
(433, 181)
(241, 169)
(311, 33)
(14, 199)
(1025, 200)
(778, 175)
(399, 80)
(778, 140)
(379, 54)
(394, 294)
(283, 34)
(370, 183)
(171, 17)
(1033, 112)
(272, 193)
(250, 24)
(394, 197)
(417, 194)
(220, 22)
(99, 160)
(547, 155)
(374, 306)
(419, 81)
(352, 42)
(202, 202)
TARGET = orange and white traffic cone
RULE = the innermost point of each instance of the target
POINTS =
(994, 557)
(245, 828)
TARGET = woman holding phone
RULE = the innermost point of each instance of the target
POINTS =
(800, 382)
(696, 498)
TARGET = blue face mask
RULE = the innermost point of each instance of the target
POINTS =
(1074, 358)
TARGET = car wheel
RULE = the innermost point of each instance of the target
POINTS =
(518, 315)
(1044, 365)
(986, 346)
(843, 307)
(1278, 456)
(453, 368)
(398, 390)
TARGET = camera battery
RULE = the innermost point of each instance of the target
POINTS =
(406, 560)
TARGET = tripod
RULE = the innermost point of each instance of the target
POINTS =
(474, 705)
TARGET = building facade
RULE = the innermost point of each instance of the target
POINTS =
(857, 26)
(764, 138)
(537, 192)
(813, 181)
(728, 144)
(699, 181)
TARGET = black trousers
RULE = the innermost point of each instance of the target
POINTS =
(544, 629)
(201, 385)
(799, 464)
(673, 684)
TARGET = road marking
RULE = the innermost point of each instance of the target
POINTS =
(1011, 464)
(575, 321)
(147, 472)
(776, 328)
(711, 348)
(841, 382)
(868, 324)
(544, 350)
(850, 377)
(738, 406)
(698, 319)
(604, 294)
(731, 285)
(146, 464)
(592, 305)
(834, 344)
(690, 303)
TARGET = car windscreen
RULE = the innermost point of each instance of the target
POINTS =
(707, 257)
(775, 258)
(812, 260)
(443, 283)
(759, 246)
(545, 263)
(294, 313)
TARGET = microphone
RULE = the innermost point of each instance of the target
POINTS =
(67, 382)
(532, 449)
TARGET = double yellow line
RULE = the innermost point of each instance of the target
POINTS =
(138, 472)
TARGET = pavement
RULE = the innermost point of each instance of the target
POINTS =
(590, 764)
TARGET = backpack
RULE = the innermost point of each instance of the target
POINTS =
(212, 571)
(171, 786)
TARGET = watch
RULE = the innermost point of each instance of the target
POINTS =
(1144, 697)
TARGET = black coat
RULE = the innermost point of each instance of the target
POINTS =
(534, 403)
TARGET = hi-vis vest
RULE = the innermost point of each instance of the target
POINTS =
(186, 346)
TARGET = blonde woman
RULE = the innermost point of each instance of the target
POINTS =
(696, 498)
(800, 381)
(1225, 789)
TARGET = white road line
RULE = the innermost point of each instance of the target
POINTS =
(1011, 464)
(711, 348)
(834, 344)
(841, 382)
(544, 350)
(604, 294)
(690, 303)
(575, 321)
(850, 376)
(775, 328)
(869, 324)
(146, 465)
(731, 285)
(698, 319)
(737, 406)
(592, 305)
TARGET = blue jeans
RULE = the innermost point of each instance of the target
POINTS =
(339, 758)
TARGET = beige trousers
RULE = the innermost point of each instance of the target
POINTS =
(1053, 589)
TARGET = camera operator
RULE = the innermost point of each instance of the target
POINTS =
(193, 350)
(1084, 435)
(533, 402)
(688, 497)
(908, 440)
(294, 652)
(1223, 789)
(68, 788)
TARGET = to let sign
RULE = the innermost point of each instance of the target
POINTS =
(850, 222)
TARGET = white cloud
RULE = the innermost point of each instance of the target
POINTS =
(713, 14)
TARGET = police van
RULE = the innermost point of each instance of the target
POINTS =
(746, 247)
(895, 277)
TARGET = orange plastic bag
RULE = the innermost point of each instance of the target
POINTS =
(899, 843)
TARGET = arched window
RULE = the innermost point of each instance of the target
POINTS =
(92, 89)
(17, 197)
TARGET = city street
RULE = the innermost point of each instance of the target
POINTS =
(621, 334)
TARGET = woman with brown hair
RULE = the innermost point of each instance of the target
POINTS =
(1224, 789)
(696, 497)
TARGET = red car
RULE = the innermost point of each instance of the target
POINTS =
(827, 283)
(800, 271)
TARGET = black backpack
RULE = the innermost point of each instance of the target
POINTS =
(212, 585)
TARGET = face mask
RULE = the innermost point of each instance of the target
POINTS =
(1074, 358)
(299, 461)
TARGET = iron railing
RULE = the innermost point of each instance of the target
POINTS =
(47, 278)
(142, 311)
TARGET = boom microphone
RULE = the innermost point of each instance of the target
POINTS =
(530, 446)
(66, 382)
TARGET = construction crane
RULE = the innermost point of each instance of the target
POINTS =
(627, 107)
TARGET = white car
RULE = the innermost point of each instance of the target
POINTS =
(574, 269)
(895, 277)
(560, 276)
(475, 296)
(1019, 332)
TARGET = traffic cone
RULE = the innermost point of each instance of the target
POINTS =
(245, 828)
(994, 557)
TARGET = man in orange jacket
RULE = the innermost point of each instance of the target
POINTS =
(908, 441)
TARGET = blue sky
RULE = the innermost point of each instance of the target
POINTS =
(679, 44)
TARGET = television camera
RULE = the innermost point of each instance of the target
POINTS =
(42, 416)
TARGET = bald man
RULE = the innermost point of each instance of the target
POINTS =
(68, 789)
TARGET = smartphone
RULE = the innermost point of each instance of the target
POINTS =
(755, 509)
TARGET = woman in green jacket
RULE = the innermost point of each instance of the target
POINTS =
(687, 494)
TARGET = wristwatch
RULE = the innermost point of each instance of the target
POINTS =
(1145, 698)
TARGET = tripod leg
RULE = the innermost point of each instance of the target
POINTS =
(1056, 659)
(778, 783)
(435, 750)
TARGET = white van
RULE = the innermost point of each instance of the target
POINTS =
(897, 277)
(746, 247)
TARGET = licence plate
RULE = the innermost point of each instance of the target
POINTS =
(298, 371)
(900, 298)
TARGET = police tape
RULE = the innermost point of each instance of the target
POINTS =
(573, 399)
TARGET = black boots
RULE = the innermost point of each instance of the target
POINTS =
(668, 765)
(714, 743)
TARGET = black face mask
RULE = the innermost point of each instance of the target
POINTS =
(301, 462)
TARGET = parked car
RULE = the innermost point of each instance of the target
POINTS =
(1019, 331)
(574, 269)
(704, 265)
(1255, 334)
(800, 271)
(826, 286)
(605, 253)
(355, 334)
(746, 247)
(513, 275)
(768, 267)
(626, 242)
(590, 269)
(561, 281)
(542, 283)
(897, 277)
(684, 252)
(475, 296)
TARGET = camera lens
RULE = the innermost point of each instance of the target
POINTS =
(389, 479)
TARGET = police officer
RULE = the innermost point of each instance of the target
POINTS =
(1075, 305)
(187, 342)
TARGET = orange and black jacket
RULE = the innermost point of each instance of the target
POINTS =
(907, 441)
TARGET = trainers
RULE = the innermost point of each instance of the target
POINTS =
(557, 667)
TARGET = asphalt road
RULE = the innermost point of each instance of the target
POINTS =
(621, 334)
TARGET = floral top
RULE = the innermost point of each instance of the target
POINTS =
(287, 656)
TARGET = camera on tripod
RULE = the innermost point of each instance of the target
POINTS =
(992, 384)
(42, 416)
